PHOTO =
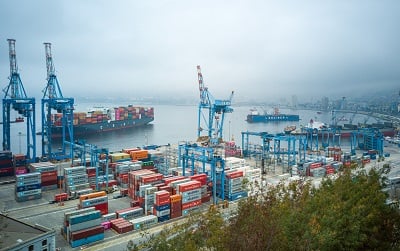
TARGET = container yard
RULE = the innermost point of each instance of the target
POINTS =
(151, 198)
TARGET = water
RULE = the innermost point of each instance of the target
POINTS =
(174, 124)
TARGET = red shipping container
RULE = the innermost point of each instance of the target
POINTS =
(51, 173)
(191, 204)
(205, 199)
(187, 186)
(103, 208)
(86, 233)
(202, 178)
(176, 214)
(61, 197)
(167, 181)
(166, 188)
(151, 178)
(235, 174)
(7, 170)
(135, 203)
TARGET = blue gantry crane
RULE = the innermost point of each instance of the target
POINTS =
(211, 114)
(53, 100)
(15, 97)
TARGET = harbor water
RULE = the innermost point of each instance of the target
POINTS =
(174, 124)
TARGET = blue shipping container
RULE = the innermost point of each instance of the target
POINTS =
(84, 217)
(162, 207)
(22, 188)
(163, 218)
(88, 240)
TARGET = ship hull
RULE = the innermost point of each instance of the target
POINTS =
(271, 118)
(103, 127)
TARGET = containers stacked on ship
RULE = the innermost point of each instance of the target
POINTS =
(20, 164)
(98, 200)
(27, 187)
(176, 206)
(6, 164)
(83, 227)
(191, 196)
(144, 222)
(48, 172)
(162, 207)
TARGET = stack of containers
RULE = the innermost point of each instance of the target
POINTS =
(129, 213)
(6, 164)
(121, 225)
(28, 187)
(233, 185)
(121, 173)
(91, 172)
(20, 164)
(102, 182)
(98, 200)
(191, 196)
(329, 169)
(84, 227)
(176, 206)
(149, 199)
(347, 159)
(161, 206)
(75, 179)
(133, 182)
(48, 173)
(202, 178)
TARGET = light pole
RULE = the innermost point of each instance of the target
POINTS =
(19, 141)
(229, 131)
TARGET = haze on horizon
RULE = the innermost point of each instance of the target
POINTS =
(263, 50)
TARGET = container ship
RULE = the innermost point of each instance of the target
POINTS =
(102, 119)
(255, 116)
(346, 130)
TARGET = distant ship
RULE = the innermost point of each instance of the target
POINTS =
(255, 116)
(102, 119)
(346, 131)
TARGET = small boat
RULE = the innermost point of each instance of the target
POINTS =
(288, 129)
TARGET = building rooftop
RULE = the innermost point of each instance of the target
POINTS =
(14, 232)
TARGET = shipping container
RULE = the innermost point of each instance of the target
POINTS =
(84, 225)
(84, 217)
(87, 240)
(86, 233)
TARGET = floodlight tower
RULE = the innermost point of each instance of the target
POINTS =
(15, 97)
(53, 100)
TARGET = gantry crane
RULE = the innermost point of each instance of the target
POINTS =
(212, 122)
(15, 97)
(53, 100)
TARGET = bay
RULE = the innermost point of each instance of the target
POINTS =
(174, 124)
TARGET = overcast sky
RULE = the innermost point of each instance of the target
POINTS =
(260, 49)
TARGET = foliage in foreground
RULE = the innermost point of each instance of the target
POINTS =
(348, 213)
